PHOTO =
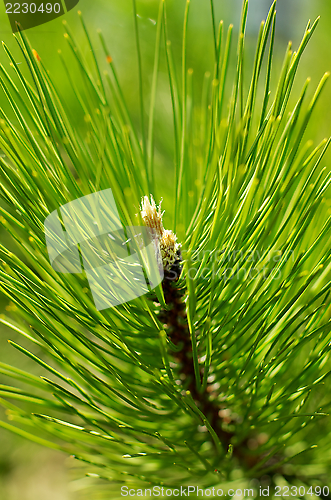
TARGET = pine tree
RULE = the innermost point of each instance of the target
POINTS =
(220, 375)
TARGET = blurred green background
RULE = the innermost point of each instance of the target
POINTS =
(27, 471)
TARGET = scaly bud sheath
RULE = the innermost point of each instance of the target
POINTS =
(170, 249)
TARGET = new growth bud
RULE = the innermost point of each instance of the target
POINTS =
(152, 217)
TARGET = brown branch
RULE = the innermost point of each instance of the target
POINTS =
(176, 325)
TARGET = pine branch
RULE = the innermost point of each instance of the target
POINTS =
(248, 332)
(176, 324)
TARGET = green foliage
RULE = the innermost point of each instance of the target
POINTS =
(250, 206)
